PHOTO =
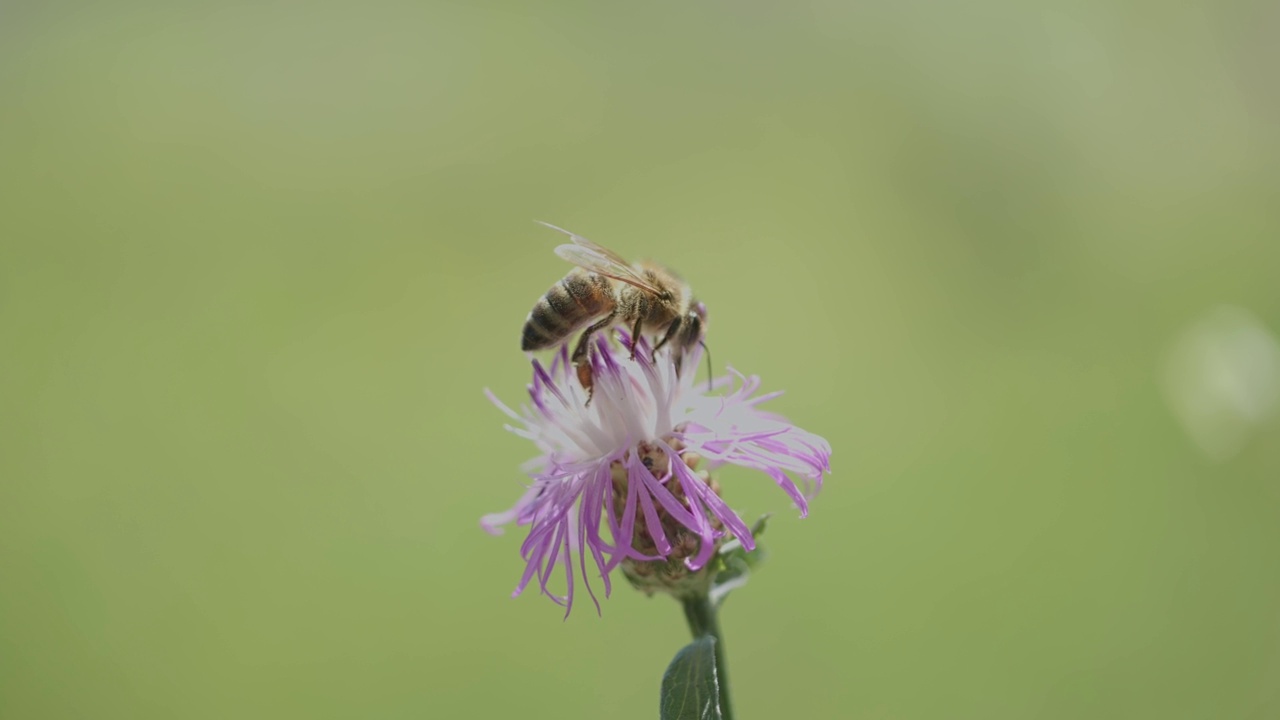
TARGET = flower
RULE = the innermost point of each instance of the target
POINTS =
(607, 463)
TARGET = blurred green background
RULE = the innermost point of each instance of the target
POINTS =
(258, 260)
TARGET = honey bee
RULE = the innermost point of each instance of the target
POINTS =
(605, 289)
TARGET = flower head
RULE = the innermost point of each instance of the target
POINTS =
(609, 464)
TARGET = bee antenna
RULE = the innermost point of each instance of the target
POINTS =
(710, 369)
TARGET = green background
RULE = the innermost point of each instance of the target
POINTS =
(258, 260)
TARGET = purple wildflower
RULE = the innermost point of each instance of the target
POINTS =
(608, 464)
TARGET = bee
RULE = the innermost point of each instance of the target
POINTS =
(605, 289)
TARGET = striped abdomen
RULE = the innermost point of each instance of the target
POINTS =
(568, 306)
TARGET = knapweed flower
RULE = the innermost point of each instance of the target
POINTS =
(605, 490)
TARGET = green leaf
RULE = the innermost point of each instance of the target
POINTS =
(689, 689)
(735, 564)
(758, 529)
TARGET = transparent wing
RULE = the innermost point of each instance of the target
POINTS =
(588, 259)
(602, 251)
(590, 256)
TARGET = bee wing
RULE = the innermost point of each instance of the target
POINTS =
(590, 256)
(589, 259)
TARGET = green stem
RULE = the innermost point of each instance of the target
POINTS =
(703, 620)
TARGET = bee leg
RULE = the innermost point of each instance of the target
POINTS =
(580, 359)
(588, 382)
(635, 337)
(580, 350)
(672, 329)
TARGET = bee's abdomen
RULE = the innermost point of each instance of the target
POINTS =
(568, 305)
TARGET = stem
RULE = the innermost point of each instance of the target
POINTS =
(703, 620)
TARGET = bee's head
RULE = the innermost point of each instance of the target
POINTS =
(692, 330)
(694, 327)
